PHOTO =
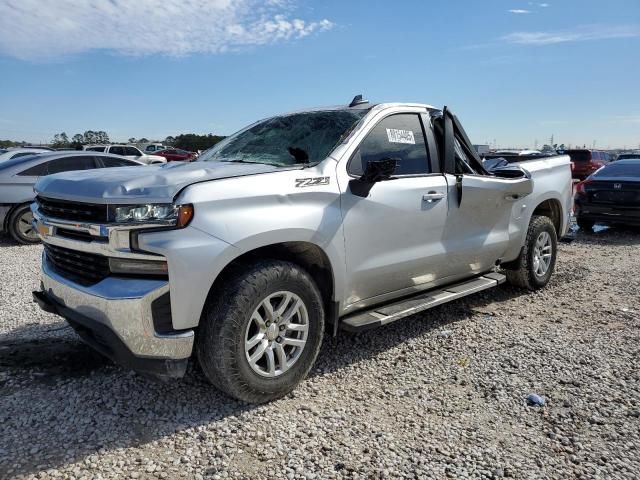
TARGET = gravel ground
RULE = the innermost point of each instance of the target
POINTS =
(438, 394)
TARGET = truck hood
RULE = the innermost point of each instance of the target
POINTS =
(152, 184)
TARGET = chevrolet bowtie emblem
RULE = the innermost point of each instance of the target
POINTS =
(42, 229)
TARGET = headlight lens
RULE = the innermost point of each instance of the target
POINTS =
(142, 213)
(179, 215)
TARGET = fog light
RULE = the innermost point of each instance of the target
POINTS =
(138, 267)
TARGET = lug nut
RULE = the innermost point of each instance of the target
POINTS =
(279, 339)
(282, 327)
(268, 323)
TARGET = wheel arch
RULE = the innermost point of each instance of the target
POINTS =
(551, 208)
(309, 256)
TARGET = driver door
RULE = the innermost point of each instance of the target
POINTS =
(393, 234)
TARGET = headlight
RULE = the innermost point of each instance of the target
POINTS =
(165, 213)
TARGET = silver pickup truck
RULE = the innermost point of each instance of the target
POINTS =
(341, 218)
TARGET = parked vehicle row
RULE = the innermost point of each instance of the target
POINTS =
(628, 156)
(175, 155)
(19, 175)
(128, 151)
(389, 211)
(585, 162)
(610, 196)
(342, 218)
(22, 152)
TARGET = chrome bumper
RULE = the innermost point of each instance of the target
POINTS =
(123, 306)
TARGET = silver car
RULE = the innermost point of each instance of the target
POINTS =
(19, 175)
(20, 152)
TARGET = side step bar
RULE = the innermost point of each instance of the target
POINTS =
(383, 314)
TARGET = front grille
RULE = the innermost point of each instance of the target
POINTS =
(76, 211)
(77, 235)
(81, 267)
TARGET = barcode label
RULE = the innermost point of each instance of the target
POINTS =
(400, 136)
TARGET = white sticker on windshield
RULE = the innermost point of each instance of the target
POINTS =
(400, 136)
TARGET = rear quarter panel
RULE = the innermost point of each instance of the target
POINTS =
(551, 181)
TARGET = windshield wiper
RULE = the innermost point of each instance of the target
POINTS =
(254, 163)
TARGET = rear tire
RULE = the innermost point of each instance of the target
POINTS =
(585, 225)
(533, 269)
(261, 333)
(21, 227)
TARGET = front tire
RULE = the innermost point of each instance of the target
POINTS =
(260, 335)
(533, 269)
(21, 226)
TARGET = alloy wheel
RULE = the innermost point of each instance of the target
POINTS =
(276, 334)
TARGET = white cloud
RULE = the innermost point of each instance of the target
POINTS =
(578, 35)
(544, 5)
(33, 29)
(519, 11)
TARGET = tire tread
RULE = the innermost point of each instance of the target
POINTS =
(522, 274)
(225, 313)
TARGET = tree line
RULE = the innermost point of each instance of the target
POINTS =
(61, 140)
(186, 141)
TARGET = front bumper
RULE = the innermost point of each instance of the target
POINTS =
(115, 317)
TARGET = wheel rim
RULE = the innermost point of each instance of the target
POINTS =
(542, 254)
(276, 334)
(25, 226)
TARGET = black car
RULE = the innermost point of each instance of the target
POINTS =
(628, 156)
(610, 196)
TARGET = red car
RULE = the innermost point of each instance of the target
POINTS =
(176, 155)
(585, 162)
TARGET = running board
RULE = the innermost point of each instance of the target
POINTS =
(383, 314)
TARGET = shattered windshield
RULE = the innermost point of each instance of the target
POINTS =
(299, 138)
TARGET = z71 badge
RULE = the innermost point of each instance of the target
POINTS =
(311, 182)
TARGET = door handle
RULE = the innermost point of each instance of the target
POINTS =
(512, 197)
(432, 197)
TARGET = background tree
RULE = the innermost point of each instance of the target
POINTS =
(60, 140)
(193, 142)
(102, 137)
(169, 141)
(132, 140)
(10, 143)
(143, 140)
(89, 137)
(77, 141)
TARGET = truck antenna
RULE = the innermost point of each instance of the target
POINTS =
(357, 100)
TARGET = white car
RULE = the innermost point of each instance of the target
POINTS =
(153, 147)
(128, 151)
(22, 152)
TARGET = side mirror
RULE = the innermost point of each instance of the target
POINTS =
(375, 171)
